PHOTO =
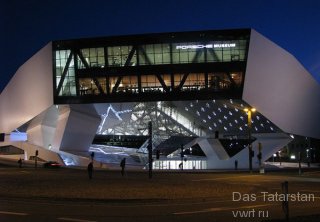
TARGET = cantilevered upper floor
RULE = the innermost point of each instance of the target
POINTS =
(169, 66)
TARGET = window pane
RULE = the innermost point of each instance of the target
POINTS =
(119, 56)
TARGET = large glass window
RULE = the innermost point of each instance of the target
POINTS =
(194, 81)
(150, 83)
(128, 84)
(177, 79)
(68, 86)
(237, 78)
(167, 79)
(223, 81)
(61, 61)
(242, 47)
(226, 51)
(112, 83)
(189, 52)
(214, 55)
(118, 56)
(94, 57)
(217, 51)
(89, 86)
(154, 54)
(217, 81)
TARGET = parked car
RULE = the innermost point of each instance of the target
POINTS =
(51, 164)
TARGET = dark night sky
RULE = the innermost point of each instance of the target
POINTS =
(26, 26)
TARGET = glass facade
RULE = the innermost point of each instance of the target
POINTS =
(158, 54)
(118, 56)
(227, 51)
(194, 81)
(149, 66)
(154, 54)
(187, 53)
(94, 57)
(65, 72)
(128, 84)
(221, 80)
(151, 83)
(88, 86)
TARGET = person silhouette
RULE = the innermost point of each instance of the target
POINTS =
(90, 170)
(20, 163)
(123, 165)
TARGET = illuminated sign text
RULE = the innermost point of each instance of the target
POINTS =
(208, 46)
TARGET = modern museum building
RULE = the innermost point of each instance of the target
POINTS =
(211, 97)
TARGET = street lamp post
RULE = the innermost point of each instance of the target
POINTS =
(249, 112)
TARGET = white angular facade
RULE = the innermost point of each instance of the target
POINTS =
(275, 83)
(281, 88)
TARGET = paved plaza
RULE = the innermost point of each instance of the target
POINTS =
(172, 196)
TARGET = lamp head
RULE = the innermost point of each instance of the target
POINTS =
(251, 110)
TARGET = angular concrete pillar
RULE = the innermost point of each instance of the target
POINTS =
(41, 129)
(76, 128)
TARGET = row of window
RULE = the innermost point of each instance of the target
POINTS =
(194, 82)
(191, 52)
(129, 84)
(150, 54)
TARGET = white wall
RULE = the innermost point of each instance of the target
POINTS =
(80, 127)
(30, 150)
(281, 89)
(271, 143)
(29, 92)
(64, 112)
(41, 129)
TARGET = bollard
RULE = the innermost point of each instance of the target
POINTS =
(36, 159)
(300, 171)
(285, 203)
(150, 159)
